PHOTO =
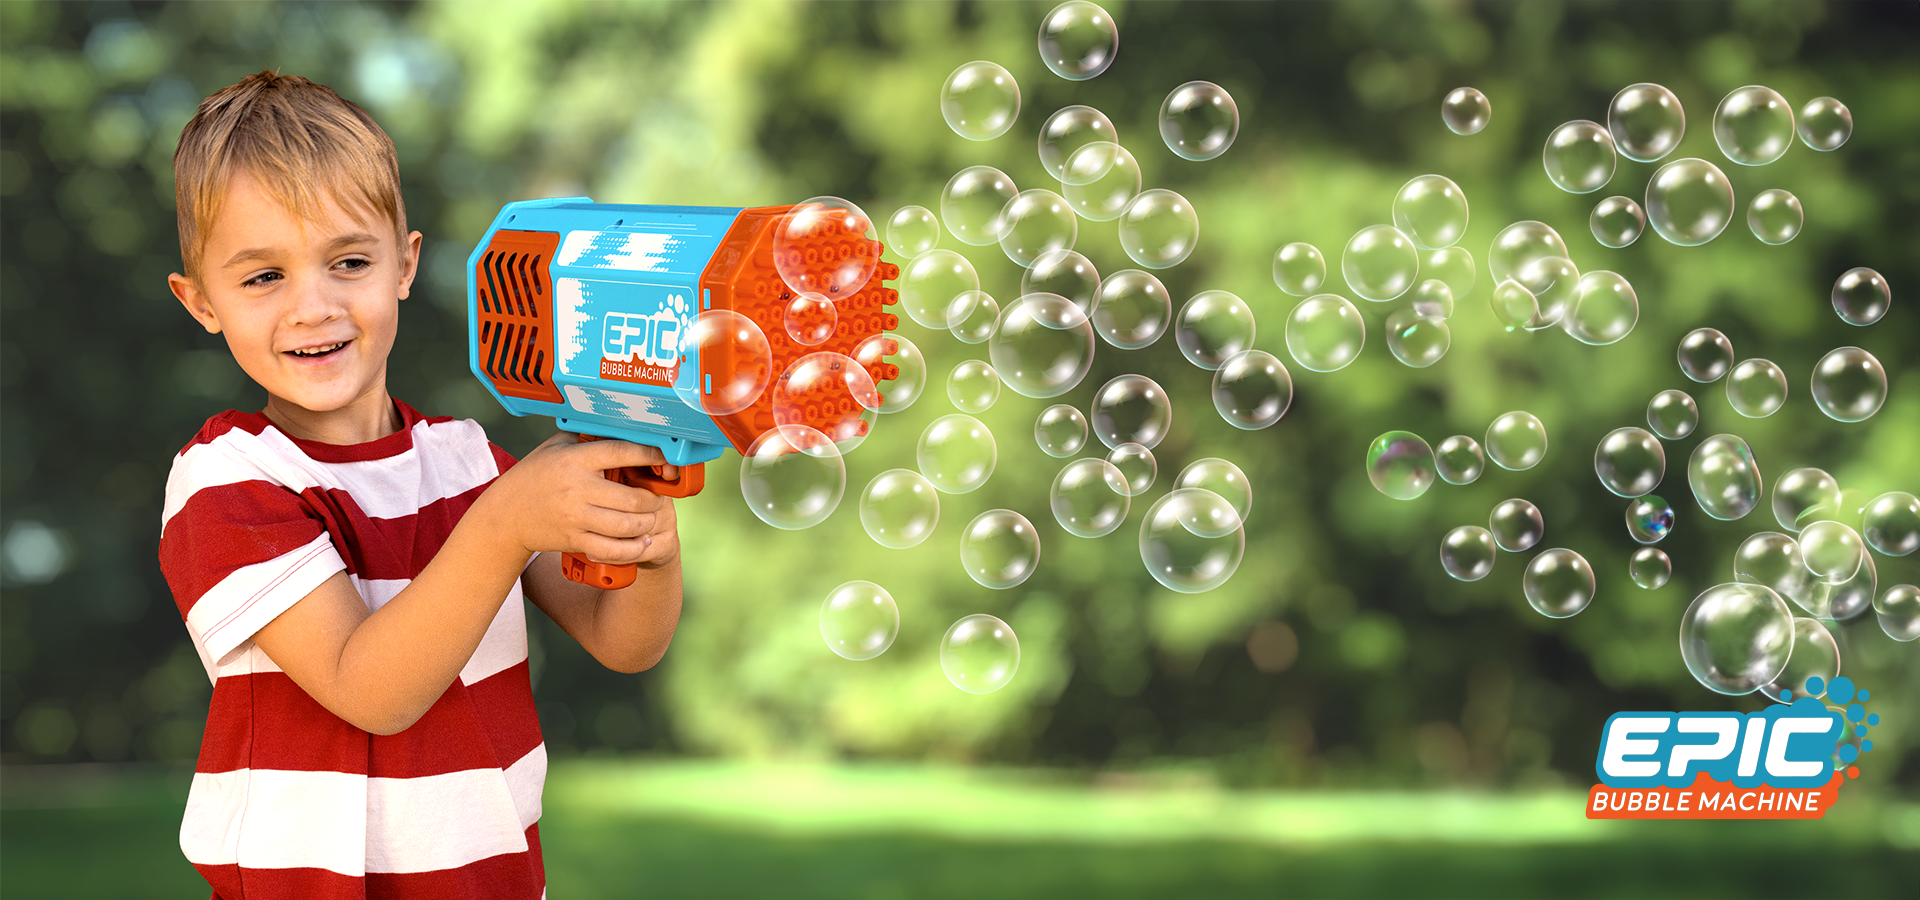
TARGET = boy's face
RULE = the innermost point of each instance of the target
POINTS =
(309, 307)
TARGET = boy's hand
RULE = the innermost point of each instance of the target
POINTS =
(559, 498)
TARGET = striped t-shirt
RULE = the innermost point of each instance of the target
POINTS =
(289, 800)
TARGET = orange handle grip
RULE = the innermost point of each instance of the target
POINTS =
(613, 576)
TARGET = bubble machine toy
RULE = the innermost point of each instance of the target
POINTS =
(668, 326)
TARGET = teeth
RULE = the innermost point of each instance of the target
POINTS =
(316, 351)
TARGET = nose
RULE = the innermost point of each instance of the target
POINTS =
(315, 301)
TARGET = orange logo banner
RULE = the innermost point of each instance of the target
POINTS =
(1710, 799)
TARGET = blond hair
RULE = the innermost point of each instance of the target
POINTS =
(297, 138)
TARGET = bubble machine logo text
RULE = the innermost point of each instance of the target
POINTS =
(1780, 763)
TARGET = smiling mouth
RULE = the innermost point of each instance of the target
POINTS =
(318, 352)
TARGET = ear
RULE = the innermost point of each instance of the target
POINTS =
(191, 297)
(409, 264)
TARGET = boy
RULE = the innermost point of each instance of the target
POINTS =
(351, 572)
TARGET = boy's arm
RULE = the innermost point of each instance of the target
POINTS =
(628, 629)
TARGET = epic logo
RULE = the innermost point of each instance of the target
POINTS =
(654, 338)
(1651, 749)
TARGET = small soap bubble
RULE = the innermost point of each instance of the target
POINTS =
(1516, 525)
(1252, 390)
(1861, 296)
(1221, 477)
(974, 202)
(1753, 125)
(1060, 430)
(1044, 346)
(980, 100)
(1649, 519)
(723, 333)
(931, 284)
(1380, 263)
(1069, 131)
(1617, 222)
(1089, 497)
(1514, 307)
(811, 318)
(1212, 326)
(1672, 414)
(1736, 637)
(889, 350)
(1775, 561)
(1705, 355)
(1417, 340)
(1689, 202)
(1650, 568)
(1558, 583)
(1400, 465)
(1519, 244)
(1299, 269)
(1106, 196)
(858, 620)
(1832, 551)
(1191, 540)
(792, 477)
(1814, 661)
(1038, 222)
(826, 388)
(1646, 122)
(973, 386)
(825, 245)
(912, 231)
(979, 654)
(1630, 462)
(1724, 477)
(1891, 523)
(999, 549)
(1554, 282)
(1130, 409)
(1459, 460)
(1065, 273)
(1133, 309)
(974, 316)
(1580, 157)
(1453, 266)
(1849, 384)
(1137, 465)
(1465, 111)
(899, 508)
(1159, 229)
(1078, 40)
(1848, 601)
(1605, 309)
(1199, 121)
(956, 453)
(1467, 553)
(1433, 299)
(1756, 388)
(1824, 124)
(1431, 210)
(1325, 332)
(1516, 441)
(1775, 216)
(1898, 609)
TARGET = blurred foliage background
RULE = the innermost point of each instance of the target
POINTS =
(1339, 655)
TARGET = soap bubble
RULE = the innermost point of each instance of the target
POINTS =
(1252, 390)
(825, 245)
(1433, 299)
(899, 508)
(858, 620)
(1459, 460)
(1832, 551)
(1089, 497)
(1775, 216)
(1104, 197)
(1467, 553)
(1617, 222)
(1756, 388)
(1191, 540)
(1605, 309)
(999, 549)
(980, 100)
(973, 317)
(1137, 465)
(973, 202)
(1558, 583)
(1066, 133)
(1847, 601)
(1689, 202)
(1130, 409)
(1417, 340)
(1516, 525)
(979, 654)
(912, 231)
(1325, 332)
(1380, 263)
(1400, 465)
(1891, 523)
(1159, 229)
(1705, 355)
(1580, 157)
(1649, 518)
(1078, 40)
(1630, 462)
(1724, 477)
(1465, 111)
(889, 350)
(973, 386)
(1212, 326)
(1646, 122)
(792, 477)
(956, 453)
(1825, 124)
(1516, 441)
(1199, 121)
(1133, 309)
(1044, 346)
(811, 318)
(1554, 282)
(1849, 384)
(1672, 414)
(1038, 222)
(1299, 269)
(1453, 266)
(1519, 244)
(1060, 431)
(826, 388)
(1899, 612)
(1815, 660)
(1650, 568)
(1736, 637)
(1065, 273)
(1861, 296)
(1753, 125)
(1221, 477)
(1775, 561)
(1431, 210)
(736, 363)
(931, 284)
(1513, 305)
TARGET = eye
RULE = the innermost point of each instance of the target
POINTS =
(354, 264)
(263, 278)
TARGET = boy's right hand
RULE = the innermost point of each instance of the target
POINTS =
(558, 498)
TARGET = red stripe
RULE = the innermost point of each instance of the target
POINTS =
(504, 702)
(230, 882)
(225, 422)
(450, 737)
(395, 548)
(228, 527)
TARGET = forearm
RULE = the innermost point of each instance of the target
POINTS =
(633, 625)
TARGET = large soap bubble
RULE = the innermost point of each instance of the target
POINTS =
(1467, 553)
(1417, 340)
(1465, 110)
(1800, 491)
(1580, 157)
(811, 319)
(1199, 120)
(974, 202)
(858, 620)
(980, 100)
(979, 654)
(1060, 430)
(1070, 130)
(889, 350)
(1078, 40)
(1212, 326)
(1514, 307)
(1815, 660)
(1044, 346)
(1299, 269)
(1774, 216)
(1103, 197)
(1705, 354)
(1516, 525)
(1832, 551)
(1848, 601)
(899, 508)
(1433, 299)
(1736, 637)
(1400, 465)
(956, 453)
(828, 388)
(973, 316)
(1380, 263)
(1136, 465)
(1221, 477)
(1630, 462)
(1130, 409)
(932, 283)
(1431, 210)
(736, 363)
(1891, 523)
(1554, 282)
(1519, 244)
(999, 549)
(1646, 122)
(1672, 414)
(1861, 296)
(1775, 560)
(913, 230)
(1065, 273)
(1689, 201)
(1089, 497)
(1649, 518)
(1824, 124)
(792, 477)
(1558, 583)
(827, 246)
(1192, 540)
(1459, 460)
(1159, 229)
(1650, 567)
(1756, 388)
(1517, 440)
(973, 386)
(1605, 309)
(1252, 390)
(1325, 332)
(1898, 610)
(1753, 125)
(1724, 477)
(1038, 222)
(1133, 309)
(1849, 385)
(1617, 222)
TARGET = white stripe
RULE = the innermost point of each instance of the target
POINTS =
(438, 821)
(276, 819)
(505, 643)
(525, 780)
(228, 615)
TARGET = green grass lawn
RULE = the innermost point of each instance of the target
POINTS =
(690, 829)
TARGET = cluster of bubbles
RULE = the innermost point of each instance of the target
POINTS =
(1402, 465)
